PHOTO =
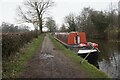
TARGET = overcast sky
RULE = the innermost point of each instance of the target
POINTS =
(58, 12)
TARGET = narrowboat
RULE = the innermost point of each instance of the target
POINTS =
(76, 41)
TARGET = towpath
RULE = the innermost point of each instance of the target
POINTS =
(50, 62)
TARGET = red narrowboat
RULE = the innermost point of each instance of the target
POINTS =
(77, 42)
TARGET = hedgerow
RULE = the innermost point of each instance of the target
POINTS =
(12, 42)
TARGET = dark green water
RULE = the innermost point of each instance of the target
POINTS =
(109, 57)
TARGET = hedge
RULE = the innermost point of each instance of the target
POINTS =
(12, 42)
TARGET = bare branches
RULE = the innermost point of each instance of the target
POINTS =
(51, 24)
(23, 15)
(34, 10)
(70, 20)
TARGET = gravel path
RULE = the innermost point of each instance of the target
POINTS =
(50, 62)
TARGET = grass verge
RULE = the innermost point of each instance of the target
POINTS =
(14, 67)
(91, 70)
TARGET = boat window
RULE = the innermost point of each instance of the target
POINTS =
(78, 40)
(75, 40)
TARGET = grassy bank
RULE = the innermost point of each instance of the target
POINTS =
(91, 70)
(13, 67)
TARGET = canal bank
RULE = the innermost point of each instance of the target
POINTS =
(88, 68)
(51, 62)
(108, 59)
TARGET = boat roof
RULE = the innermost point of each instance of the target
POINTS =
(86, 51)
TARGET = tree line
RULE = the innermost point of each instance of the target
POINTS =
(14, 37)
(96, 24)
(11, 28)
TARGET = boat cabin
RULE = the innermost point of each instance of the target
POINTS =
(76, 38)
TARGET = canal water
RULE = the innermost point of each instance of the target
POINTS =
(109, 57)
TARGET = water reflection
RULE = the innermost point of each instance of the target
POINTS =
(108, 57)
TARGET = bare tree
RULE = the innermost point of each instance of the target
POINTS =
(63, 28)
(70, 20)
(33, 11)
(51, 24)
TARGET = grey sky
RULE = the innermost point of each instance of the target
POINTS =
(58, 12)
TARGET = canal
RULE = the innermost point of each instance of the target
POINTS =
(109, 57)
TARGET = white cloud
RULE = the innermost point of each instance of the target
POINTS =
(11, 0)
(62, 8)
(8, 10)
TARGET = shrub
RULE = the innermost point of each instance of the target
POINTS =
(12, 42)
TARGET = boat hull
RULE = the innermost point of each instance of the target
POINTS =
(92, 58)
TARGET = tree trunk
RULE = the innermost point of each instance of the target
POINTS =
(36, 33)
(40, 26)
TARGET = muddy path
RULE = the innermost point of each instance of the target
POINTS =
(50, 62)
